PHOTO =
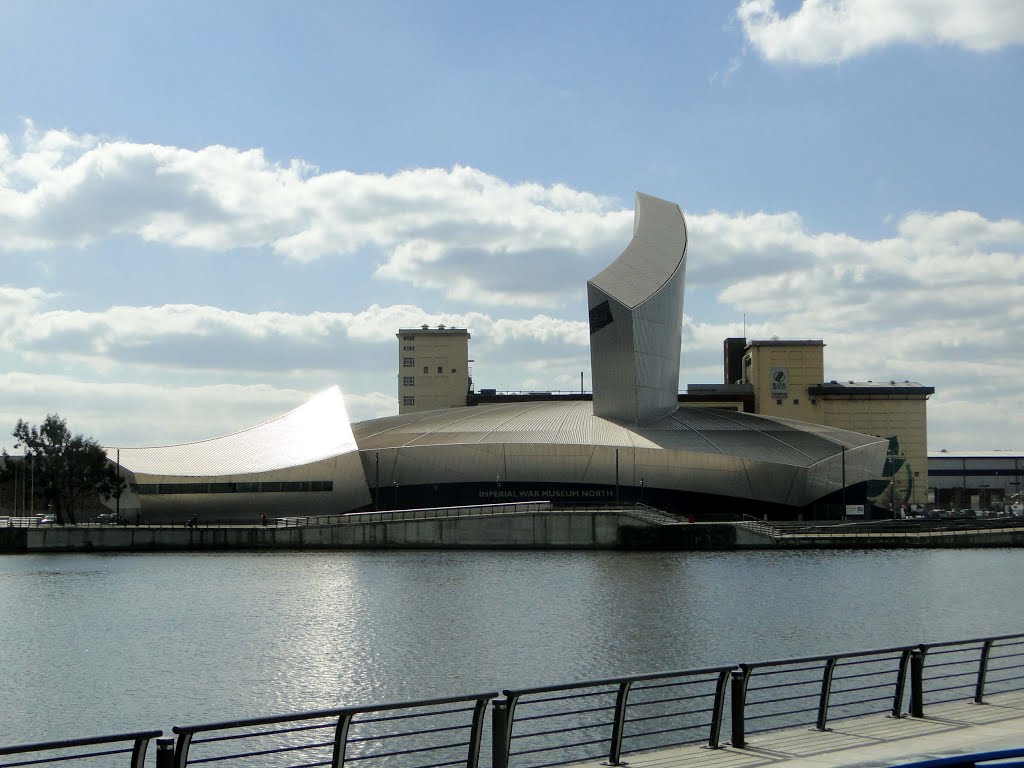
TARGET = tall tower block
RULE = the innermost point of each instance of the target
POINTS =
(433, 368)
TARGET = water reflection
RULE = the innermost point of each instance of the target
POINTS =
(137, 641)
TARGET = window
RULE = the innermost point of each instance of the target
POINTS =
(409, 400)
(408, 381)
(453, 370)
(408, 362)
(778, 402)
(409, 348)
(796, 401)
(440, 369)
(407, 338)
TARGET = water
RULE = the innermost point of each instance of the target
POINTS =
(95, 644)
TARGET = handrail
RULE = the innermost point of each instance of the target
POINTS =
(139, 740)
(806, 688)
(576, 707)
(342, 721)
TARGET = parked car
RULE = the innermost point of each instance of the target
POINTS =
(48, 519)
(107, 518)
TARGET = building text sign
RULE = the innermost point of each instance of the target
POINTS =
(780, 382)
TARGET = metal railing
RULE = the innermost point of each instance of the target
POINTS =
(593, 720)
(887, 529)
(430, 733)
(71, 750)
(963, 669)
(426, 513)
(596, 719)
(781, 694)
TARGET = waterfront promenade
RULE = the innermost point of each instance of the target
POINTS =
(947, 730)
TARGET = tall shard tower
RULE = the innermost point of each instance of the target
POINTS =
(636, 317)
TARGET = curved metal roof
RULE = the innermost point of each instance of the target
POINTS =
(319, 429)
(652, 256)
(700, 430)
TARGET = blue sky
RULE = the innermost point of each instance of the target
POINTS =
(210, 211)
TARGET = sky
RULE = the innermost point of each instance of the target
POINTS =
(210, 212)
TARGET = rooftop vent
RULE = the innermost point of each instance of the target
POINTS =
(424, 326)
(440, 327)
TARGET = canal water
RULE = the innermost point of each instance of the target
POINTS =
(93, 644)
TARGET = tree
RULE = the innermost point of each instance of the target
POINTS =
(66, 468)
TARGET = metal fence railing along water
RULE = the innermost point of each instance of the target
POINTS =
(771, 695)
(132, 746)
(964, 669)
(575, 722)
(426, 513)
(590, 721)
(429, 733)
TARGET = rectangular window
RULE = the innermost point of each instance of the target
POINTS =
(407, 338)
(778, 402)
(409, 400)
(408, 362)
(796, 401)
(426, 369)
(453, 370)
(440, 369)
(408, 381)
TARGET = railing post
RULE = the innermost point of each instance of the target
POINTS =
(979, 689)
(917, 683)
(476, 733)
(181, 749)
(901, 684)
(164, 754)
(341, 739)
(502, 715)
(718, 709)
(738, 691)
(619, 723)
(826, 690)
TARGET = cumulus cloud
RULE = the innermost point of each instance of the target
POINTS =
(460, 230)
(824, 31)
(939, 299)
(203, 337)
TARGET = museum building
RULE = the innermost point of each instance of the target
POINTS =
(773, 439)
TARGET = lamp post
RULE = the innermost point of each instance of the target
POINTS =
(396, 494)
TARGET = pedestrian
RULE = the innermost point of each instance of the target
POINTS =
(263, 519)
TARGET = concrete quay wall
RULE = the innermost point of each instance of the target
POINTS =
(542, 530)
(577, 529)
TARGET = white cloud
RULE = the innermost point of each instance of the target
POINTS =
(939, 300)
(202, 337)
(824, 31)
(460, 231)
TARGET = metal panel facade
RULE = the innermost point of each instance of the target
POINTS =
(636, 313)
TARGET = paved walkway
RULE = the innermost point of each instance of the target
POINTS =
(874, 740)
